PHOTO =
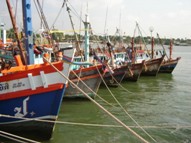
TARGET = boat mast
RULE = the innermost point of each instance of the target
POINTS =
(152, 46)
(152, 42)
(27, 21)
(86, 24)
(133, 51)
(75, 34)
(171, 45)
(162, 46)
(16, 32)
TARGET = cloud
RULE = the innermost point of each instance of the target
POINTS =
(166, 16)
(172, 14)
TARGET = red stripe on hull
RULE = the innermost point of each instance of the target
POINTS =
(87, 69)
(86, 77)
(35, 71)
(30, 92)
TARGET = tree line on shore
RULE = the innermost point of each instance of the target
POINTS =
(114, 38)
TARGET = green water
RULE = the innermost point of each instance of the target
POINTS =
(161, 104)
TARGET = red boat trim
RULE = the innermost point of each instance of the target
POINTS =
(87, 77)
(88, 69)
(30, 92)
(35, 70)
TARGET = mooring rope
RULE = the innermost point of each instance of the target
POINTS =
(119, 83)
(16, 137)
(11, 138)
(158, 126)
(127, 112)
(78, 77)
(92, 90)
(101, 107)
(105, 84)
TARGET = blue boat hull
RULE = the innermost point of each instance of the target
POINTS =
(42, 106)
(169, 66)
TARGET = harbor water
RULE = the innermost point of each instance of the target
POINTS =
(161, 105)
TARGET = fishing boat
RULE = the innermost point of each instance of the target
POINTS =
(84, 72)
(169, 64)
(136, 69)
(30, 94)
(117, 70)
(133, 69)
(152, 66)
(86, 78)
(113, 79)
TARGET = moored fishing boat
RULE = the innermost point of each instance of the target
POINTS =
(113, 79)
(169, 64)
(85, 73)
(118, 70)
(152, 66)
(30, 94)
(133, 70)
(128, 58)
(88, 79)
(136, 69)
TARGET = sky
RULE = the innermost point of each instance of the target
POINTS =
(169, 18)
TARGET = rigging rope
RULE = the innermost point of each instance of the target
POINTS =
(75, 12)
(110, 73)
(58, 15)
(120, 84)
(91, 89)
(137, 25)
(162, 46)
